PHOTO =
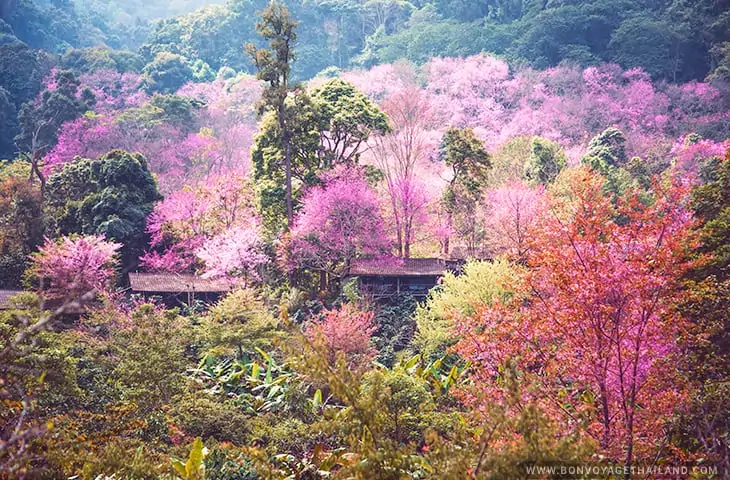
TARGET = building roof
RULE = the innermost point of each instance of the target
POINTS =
(177, 283)
(5, 296)
(403, 267)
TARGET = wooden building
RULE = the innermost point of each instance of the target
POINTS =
(5, 295)
(416, 276)
(176, 289)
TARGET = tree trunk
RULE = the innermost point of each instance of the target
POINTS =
(630, 447)
(606, 415)
(322, 280)
(287, 160)
(449, 219)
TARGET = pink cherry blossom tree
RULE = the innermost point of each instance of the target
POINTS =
(511, 211)
(186, 219)
(72, 266)
(339, 221)
(403, 156)
(691, 150)
(230, 115)
(235, 253)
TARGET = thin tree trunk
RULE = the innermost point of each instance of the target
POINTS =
(606, 415)
(447, 238)
(322, 280)
(289, 208)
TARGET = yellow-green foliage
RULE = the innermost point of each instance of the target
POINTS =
(508, 163)
(152, 363)
(201, 414)
(239, 323)
(479, 285)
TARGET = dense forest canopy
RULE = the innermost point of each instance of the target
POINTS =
(674, 40)
(364, 239)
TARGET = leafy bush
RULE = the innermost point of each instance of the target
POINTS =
(480, 284)
(238, 323)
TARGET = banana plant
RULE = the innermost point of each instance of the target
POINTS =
(439, 379)
(194, 467)
(263, 384)
(321, 464)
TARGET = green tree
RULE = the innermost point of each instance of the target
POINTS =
(648, 43)
(327, 127)
(239, 323)
(87, 60)
(21, 71)
(479, 285)
(274, 67)
(21, 227)
(469, 162)
(152, 358)
(546, 161)
(8, 124)
(167, 73)
(703, 428)
(606, 154)
(722, 54)
(110, 196)
(349, 118)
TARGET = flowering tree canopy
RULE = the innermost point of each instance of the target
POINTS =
(74, 266)
(187, 218)
(236, 252)
(345, 331)
(511, 212)
(338, 222)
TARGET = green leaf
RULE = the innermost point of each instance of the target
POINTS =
(195, 467)
(179, 467)
(317, 400)
(255, 370)
(411, 362)
(269, 370)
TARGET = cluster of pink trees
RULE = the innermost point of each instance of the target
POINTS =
(404, 213)
(179, 153)
(197, 225)
(689, 151)
(564, 104)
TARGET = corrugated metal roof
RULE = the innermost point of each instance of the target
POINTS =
(402, 267)
(177, 283)
(5, 295)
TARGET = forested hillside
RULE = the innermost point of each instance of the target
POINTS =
(379, 239)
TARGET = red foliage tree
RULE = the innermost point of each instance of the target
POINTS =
(596, 333)
(345, 331)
